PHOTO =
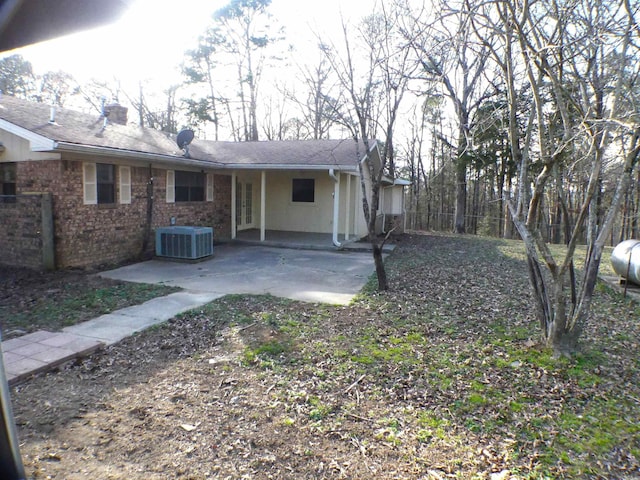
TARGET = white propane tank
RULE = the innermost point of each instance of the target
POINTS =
(626, 256)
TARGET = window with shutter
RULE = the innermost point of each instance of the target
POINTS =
(189, 186)
(106, 182)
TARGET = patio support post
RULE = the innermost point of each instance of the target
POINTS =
(263, 202)
(347, 220)
(336, 205)
(233, 205)
(357, 208)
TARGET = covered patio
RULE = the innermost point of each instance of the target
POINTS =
(302, 240)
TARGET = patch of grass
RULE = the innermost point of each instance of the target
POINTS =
(320, 410)
(592, 432)
(375, 347)
(288, 421)
(389, 430)
(77, 303)
(266, 353)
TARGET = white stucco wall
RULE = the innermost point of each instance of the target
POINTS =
(393, 200)
(281, 213)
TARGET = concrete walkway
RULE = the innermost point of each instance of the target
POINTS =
(40, 351)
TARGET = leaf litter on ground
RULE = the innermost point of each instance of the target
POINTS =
(440, 377)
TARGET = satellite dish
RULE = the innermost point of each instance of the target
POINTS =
(185, 137)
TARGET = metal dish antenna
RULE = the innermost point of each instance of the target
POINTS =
(184, 138)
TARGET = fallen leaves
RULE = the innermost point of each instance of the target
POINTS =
(438, 378)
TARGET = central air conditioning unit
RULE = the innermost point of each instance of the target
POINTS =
(189, 243)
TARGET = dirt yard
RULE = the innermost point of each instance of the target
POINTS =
(439, 378)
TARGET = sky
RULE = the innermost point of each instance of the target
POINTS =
(149, 40)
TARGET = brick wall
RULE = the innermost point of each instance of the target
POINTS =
(216, 214)
(93, 235)
(20, 239)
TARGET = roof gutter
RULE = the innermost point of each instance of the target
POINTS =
(287, 166)
(143, 156)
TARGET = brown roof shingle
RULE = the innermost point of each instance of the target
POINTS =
(86, 130)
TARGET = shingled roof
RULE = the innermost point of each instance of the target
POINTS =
(78, 131)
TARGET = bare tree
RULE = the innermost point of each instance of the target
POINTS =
(246, 36)
(157, 113)
(276, 124)
(96, 92)
(579, 68)
(374, 82)
(319, 100)
(56, 87)
(449, 54)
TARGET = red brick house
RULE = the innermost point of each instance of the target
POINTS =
(80, 190)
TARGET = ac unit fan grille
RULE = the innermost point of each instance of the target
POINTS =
(184, 242)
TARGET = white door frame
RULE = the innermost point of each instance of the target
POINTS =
(244, 211)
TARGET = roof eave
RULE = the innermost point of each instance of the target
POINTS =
(133, 154)
(37, 142)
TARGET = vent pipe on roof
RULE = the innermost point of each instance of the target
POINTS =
(52, 114)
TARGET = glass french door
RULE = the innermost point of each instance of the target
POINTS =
(244, 205)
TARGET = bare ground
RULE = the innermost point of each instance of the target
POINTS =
(439, 378)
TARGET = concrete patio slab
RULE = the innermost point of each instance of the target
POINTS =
(308, 275)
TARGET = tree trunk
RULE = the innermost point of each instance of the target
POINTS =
(381, 273)
(461, 195)
(561, 336)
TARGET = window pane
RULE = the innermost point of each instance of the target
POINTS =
(7, 189)
(105, 173)
(182, 194)
(8, 181)
(303, 190)
(7, 173)
(105, 193)
(196, 194)
(106, 187)
(190, 186)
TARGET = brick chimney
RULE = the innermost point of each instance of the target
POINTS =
(116, 113)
